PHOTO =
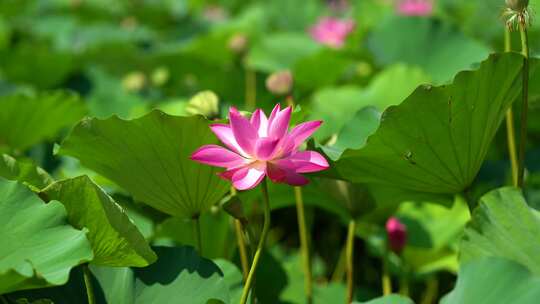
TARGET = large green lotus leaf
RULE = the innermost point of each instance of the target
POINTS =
(179, 276)
(39, 247)
(109, 97)
(36, 64)
(432, 231)
(215, 233)
(280, 51)
(321, 69)
(338, 105)
(390, 299)
(494, 281)
(116, 241)
(233, 278)
(26, 120)
(503, 225)
(149, 157)
(437, 47)
(436, 140)
(354, 133)
(25, 171)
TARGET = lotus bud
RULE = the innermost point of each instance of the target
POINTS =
(238, 43)
(134, 81)
(397, 234)
(280, 83)
(517, 5)
(205, 103)
(160, 76)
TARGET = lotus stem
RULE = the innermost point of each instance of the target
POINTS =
(386, 281)
(260, 246)
(304, 243)
(510, 129)
(197, 234)
(525, 102)
(241, 248)
(4, 301)
(430, 294)
(339, 270)
(404, 286)
(350, 260)
(251, 89)
(88, 283)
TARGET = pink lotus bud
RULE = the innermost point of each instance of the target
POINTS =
(238, 43)
(280, 83)
(415, 7)
(397, 234)
(332, 32)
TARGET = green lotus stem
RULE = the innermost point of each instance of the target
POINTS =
(241, 248)
(510, 130)
(197, 234)
(404, 286)
(251, 89)
(339, 270)
(525, 102)
(88, 283)
(432, 288)
(260, 246)
(304, 243)
(350, 260)
(386, 281)
(4, 301)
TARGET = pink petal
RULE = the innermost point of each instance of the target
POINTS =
(279, 174)
(265, 147)
(260, 123)
(296, 137)
(248, 177)
(225, 134)
(279, 123)
(275, 111)
(214, 155)
(306, 161)
(243, 131)
(302, 131)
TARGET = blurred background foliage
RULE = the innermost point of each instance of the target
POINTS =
(127, 57)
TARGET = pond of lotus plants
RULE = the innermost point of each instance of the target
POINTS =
(269, 152)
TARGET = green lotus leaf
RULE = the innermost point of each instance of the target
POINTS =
(27, 119)
(503, 225)
(179, 274)
(436, 140)
(437, 47)
(39, 247)
(24, 170)
(494, 281)
(149, 157)
(116, 241)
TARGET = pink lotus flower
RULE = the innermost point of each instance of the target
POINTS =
(397, 234)
(331, 31)
(260, 147)
(415, 7)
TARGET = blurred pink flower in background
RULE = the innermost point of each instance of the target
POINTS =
(260, 147)
(397, 234)
(415, 7)
(332, 31)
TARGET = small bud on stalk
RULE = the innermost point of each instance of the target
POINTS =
(238, 43)
(397, 235)
(280, 83)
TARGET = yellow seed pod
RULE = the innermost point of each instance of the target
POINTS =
(517, 5)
